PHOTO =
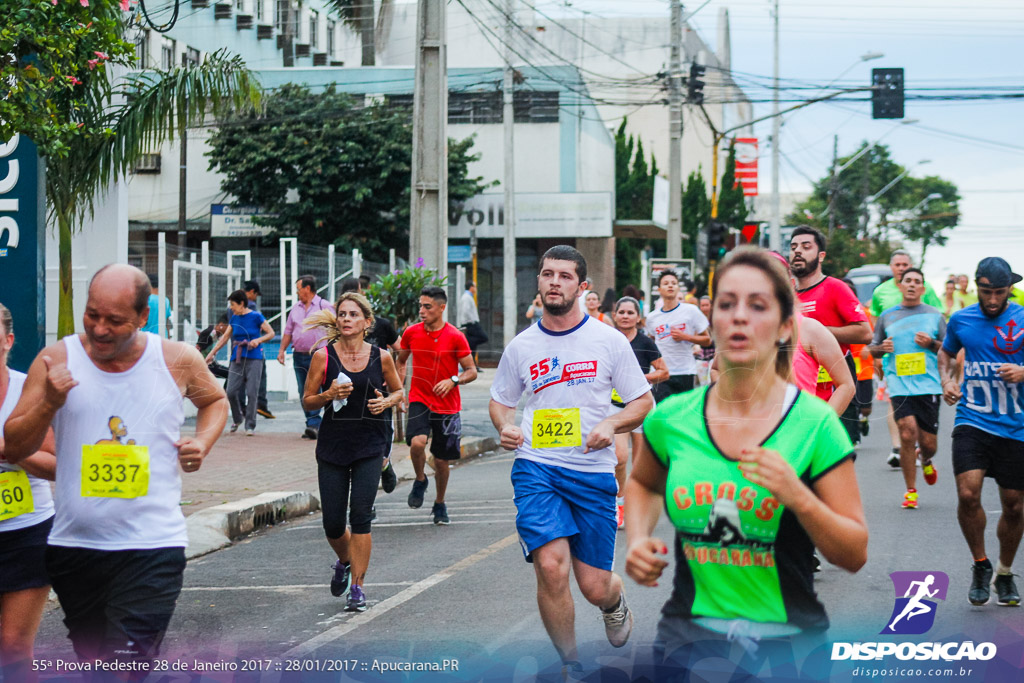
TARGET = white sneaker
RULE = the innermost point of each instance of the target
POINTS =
(893, 459)
(250, 432)
(618, 623)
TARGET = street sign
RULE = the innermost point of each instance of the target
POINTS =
(23, 247)
(236, 221)
(460, 253)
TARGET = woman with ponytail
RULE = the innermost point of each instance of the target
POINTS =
(357, 385)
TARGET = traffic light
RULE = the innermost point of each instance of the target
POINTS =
(887, 93)
(695, 86)
(717, 232)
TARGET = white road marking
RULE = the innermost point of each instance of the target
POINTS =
(394, 601)
(285, 588)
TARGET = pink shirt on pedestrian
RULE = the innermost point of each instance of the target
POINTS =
(303, 340)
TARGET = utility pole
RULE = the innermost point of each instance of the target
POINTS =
(428, 220)
(775, 234)
(833, 187)
(182, 193)
(674, 236)
(509, 304)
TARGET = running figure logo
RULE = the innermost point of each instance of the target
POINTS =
(916, 592)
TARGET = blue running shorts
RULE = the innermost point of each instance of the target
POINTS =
(556, 502)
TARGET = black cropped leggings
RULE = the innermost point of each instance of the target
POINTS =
(359, 478)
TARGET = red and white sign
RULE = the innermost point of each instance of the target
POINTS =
(746, 165)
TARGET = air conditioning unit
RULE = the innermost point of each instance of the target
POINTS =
(148, 163)
(302, 49)
(264, 31)
(222, 10)
(243, 22)
(199, 4)
(319, 59)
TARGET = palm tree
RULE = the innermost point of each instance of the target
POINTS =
(137, 114)
(358, 15)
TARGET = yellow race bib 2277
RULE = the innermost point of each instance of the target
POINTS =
(908, 364)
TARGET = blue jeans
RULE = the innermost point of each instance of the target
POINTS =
(300, 363)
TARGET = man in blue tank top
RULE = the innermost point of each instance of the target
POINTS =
(116, 554)
(988, 435)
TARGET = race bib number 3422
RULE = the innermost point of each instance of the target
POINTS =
(557, 428)
(115, 471)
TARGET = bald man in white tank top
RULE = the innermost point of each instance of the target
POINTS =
(116, 554)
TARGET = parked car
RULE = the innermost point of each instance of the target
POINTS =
(865, 278)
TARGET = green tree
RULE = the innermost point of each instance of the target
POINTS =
(51, 53)
(634, 200)
(132, 118)
(856, 239)
(330, 170)
(732, 205)
(696, 211)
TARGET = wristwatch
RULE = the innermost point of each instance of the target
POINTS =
(455, 379)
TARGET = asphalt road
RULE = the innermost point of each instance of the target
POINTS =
(463, 592)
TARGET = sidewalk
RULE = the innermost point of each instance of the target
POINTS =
(278, 459)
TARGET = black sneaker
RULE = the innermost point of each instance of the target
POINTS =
(311, 433)
(356, 600)
(388, 478)
(981, 577)
(1006, 590)
(339, 582)
(893, 459)
(265, 412)
(440, 512)
(864, 426)
(416, 495)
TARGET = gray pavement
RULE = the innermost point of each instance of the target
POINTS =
(463, 592)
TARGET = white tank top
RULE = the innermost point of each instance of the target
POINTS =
(42, 498)
(141, 405)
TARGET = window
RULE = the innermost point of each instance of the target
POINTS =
(535, 107)
(142, 50)
(474, 107)
(167, 50)
(314, 23)
(330, 38)
(190, 56)
(259, 10)
(240, 6)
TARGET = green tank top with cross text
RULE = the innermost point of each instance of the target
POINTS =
(740, 554)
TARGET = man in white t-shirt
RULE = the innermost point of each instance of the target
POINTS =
(676, 327)
(564, 473)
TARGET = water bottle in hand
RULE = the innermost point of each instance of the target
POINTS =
(338, 404)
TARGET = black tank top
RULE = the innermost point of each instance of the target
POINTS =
(354, 433)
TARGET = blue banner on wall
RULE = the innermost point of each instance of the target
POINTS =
(23, 247)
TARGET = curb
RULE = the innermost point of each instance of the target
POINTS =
(217, 527)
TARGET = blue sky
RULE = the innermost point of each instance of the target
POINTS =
(979, 145)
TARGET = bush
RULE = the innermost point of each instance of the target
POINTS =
(397, 295)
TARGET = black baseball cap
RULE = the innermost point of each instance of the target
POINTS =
(997, 272)
(252, 286)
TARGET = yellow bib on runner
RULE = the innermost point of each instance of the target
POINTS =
(616, 397)
(115, 471)
(908, 364)
(557, 428)
(823, 375)
(15, 494)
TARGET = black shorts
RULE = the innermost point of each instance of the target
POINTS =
(923, 408)
(675, 384)
(865, 392)
(117, 603)
(444, 431)
(23, 557)
(999, 457)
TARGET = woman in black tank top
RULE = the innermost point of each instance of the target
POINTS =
(354, 438)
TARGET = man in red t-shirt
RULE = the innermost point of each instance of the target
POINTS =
(438, 350)
(831, 302)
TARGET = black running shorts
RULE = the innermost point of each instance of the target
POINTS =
(999, 457)
(923, 408)
(444, 431)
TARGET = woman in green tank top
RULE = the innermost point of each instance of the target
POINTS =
(754, 474)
